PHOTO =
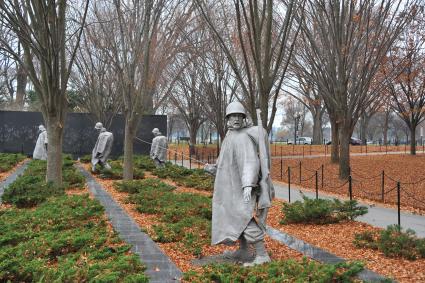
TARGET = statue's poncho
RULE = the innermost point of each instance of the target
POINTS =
(238, 166)
(103, 145)
(159, 148)
(40, 146)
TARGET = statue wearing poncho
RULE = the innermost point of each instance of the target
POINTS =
(102, 148)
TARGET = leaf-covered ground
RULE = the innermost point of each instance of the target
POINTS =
(367, 178)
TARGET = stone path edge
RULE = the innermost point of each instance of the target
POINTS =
(12, 177)
(159, 266)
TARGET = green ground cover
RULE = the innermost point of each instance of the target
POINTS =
(9, 160)
(61, 239)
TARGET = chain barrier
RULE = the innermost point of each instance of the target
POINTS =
(309, 178)
(337, 187)
(363, 191)
(389, 191)
(412, 197)
(413, 183)
(310, 170)
(390, 178)
(174, 151)
(366, 178)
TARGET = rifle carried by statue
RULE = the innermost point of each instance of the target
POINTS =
(266, 185)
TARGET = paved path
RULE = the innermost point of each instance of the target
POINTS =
(9, 180)
(160, 268)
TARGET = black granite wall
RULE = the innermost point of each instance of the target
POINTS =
(19, 131)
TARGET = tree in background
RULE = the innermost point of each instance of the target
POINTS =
(258, 43)
(345, 42)
(407, 87)
(49, 32)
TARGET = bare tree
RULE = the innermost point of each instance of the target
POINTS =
(295, 115)
(258, 44)
(407, 89)
(13, 76)
(49, 40)
(94, 80)
(220, 86)
(306, 92)
(187, 96)
(345, 42)
(139, 43)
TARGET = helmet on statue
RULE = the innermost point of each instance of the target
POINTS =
(98, 126)
(235, 107)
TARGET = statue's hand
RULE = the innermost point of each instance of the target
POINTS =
(247, 194)
(210, 168)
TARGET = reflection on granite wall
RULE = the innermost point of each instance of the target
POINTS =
(18, 132)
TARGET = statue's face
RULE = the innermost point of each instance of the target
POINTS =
(235, 121)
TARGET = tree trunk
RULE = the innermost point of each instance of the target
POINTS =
(386, 122)
(317, 127)
(364, 122)
(335, 142)
(21, 84)
(54, 150)
(413, 140)
(129, 133)
(192, 142)
(344, 157)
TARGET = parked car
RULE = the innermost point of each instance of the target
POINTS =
(353, 141)
(302, 140)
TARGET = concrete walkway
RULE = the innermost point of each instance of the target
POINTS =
(377, 215)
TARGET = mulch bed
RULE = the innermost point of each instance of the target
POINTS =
(367, 178)
(338, 239)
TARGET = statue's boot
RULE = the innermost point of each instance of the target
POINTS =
(261, 255)
(243, 254)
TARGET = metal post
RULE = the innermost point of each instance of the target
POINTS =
(317, 187)
(300, 172)
(281, 151)
(310, 148)
(182, 158)
(289, 184)
(383, 186)
(190, 160)
(281, 168)
(303, 151)
(398, 203)
(322, 173)
(350, 188)
(175, 157)
(349, 170)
